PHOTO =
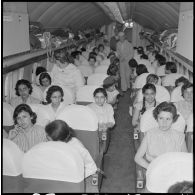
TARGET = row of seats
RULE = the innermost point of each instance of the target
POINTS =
(85, 123)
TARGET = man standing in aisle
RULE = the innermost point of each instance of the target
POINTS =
(125, 53)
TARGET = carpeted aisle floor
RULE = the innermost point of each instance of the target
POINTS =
(119, 163)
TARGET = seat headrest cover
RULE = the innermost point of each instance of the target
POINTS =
(96, 79)
(79, 117)
(53, 160)
(85, 93)
(7, 114)
(12, 158)
(168, 169)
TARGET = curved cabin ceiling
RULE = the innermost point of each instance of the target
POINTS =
(157, 16)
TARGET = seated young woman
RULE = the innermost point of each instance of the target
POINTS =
(55, 103)
(26, 133)
(58, 130)
(103, 110)
(23, 91)
(162, 139)
(185, 107)
(149, 101)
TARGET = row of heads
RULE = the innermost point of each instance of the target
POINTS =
(162, 107)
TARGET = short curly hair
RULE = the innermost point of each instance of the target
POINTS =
(53, 89)
(152, 78)
(23, 82)
(166, 107)
(44, 75)
(59, 130)
(25, 108)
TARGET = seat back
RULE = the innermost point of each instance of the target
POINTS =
(84, 94)
(8, 111)
(96, 79)
(86, 70)
(101, 69)
(85, 123)
(162, 94)
(12, 167)
(42, 115)
(37, 92)
(168, 169)
(140, 81)
(176, 95)
(148, 122)
(69, 96)
(53, 167)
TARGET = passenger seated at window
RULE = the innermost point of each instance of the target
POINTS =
(58, 130)
(171, 74)
(38, 72)
(185, 107)
(163, 139)
(112, 92)
(133, 65)
(64, 73)
(144, 60)
(161, 61)
(101, 51)
(23, 91)
(181, 81)
(26, 133)
(44, 80)
(149, 101)
(103, 110)
(76, 56)
(55, 101)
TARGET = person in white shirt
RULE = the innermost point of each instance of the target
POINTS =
(23, 91)
(103, 110)
(64, 73)
(112, 92)
(55, 102)
(58, 130)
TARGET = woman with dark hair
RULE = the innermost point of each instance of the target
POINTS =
(23, 91)
(185, 106)
(162, 139)
(58, 130)
(26, 133)
(55, 102)
(149, 101)
(64, 73)
(44, 80)
(103, 110)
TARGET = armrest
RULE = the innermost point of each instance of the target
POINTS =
(89, 188)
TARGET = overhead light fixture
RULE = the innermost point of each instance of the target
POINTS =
(128, 24)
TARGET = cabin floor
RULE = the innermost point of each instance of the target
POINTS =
(119, 165)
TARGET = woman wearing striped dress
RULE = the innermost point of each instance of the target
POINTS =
(26, 134)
